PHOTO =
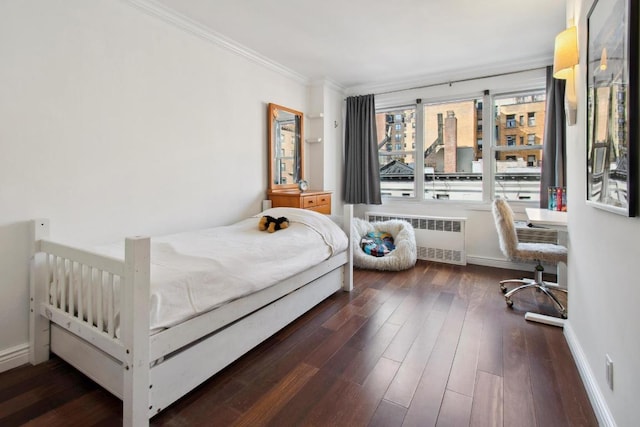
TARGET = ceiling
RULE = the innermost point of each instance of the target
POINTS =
(359, 43)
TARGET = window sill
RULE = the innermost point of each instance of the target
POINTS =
(517, 206)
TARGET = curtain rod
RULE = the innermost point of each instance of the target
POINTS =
(450, 82)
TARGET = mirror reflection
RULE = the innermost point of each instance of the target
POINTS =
(285, 147)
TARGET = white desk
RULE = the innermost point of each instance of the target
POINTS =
(557, 220)
(547, 218)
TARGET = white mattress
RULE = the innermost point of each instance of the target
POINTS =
(196, 271)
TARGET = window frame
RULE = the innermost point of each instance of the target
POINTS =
(405, 149)
(495, 148)
(482, 89)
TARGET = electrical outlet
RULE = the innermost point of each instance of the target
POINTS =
(609, 371)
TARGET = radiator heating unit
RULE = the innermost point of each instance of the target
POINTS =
(437, 238)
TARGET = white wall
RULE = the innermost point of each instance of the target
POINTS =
(325, 158)
(604, 291)
(115, 123)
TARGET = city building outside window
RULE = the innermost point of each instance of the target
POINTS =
(452, 160)
(397, 167)
(516, 169)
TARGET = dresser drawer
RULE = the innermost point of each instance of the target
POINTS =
(323, 204)
(308, 201)
(318, 201)
(323, 209)
(324, 199)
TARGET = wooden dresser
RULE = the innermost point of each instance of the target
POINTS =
(319, 201)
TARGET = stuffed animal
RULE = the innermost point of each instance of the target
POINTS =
(272, 224)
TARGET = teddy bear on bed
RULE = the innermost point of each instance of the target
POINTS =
(272, 224)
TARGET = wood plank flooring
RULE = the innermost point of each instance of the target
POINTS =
(434, 345)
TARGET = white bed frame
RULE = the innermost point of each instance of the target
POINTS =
(149, 372)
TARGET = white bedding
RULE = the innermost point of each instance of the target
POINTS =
(193, 272)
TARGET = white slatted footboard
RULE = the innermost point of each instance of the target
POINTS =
(93, 297)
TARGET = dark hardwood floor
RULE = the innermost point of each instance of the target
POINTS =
(434, 345)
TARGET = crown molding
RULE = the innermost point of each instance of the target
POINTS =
(327, 83)
(170, 16)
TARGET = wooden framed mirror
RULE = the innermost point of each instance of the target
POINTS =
(286, 151)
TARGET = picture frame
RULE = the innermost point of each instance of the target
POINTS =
(612, 106)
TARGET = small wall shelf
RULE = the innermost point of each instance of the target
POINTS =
(313, 140)
(316, 116)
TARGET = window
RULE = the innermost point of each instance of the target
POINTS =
(451, 145)
(452, 155)
(531, 117)
(396, 165)
(458, 150)
(517, 169)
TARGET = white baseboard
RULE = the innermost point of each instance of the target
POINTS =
(600, 407)
(14, 357)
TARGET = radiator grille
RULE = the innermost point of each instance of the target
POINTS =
(528, 234)
(437, 238)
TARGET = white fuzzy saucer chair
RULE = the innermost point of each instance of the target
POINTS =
(404, 238)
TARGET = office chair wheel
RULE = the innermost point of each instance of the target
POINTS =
(503, 288)
(509, 303)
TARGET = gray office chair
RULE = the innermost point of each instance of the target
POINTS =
(515, 250)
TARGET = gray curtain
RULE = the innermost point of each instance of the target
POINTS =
(554, 152)
(362, 168)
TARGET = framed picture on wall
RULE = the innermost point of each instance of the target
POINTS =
(612, 105)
